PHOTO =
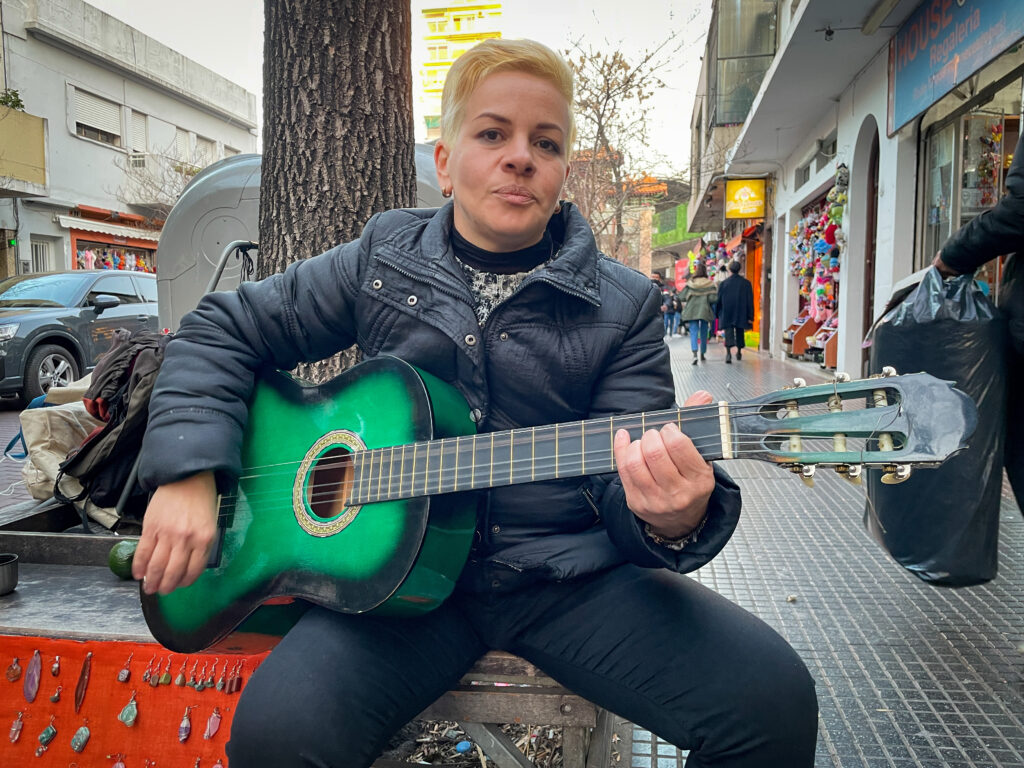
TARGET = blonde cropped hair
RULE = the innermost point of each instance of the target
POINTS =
(497, 55)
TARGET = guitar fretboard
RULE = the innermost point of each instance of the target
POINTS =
(531, 454)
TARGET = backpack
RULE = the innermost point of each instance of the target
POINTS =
(104, 463)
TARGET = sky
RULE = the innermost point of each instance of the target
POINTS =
(227, 37)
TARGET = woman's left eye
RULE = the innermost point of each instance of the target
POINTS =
(548, 145)
(490, 135)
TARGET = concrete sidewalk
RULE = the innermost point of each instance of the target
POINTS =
(907, 674)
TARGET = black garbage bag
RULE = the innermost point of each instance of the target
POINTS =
(943, 524)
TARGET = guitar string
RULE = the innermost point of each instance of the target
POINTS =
(544, 431)
(327, 489)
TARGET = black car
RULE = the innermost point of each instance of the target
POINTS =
(55, 325)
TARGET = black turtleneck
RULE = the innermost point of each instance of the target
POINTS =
(511, 262)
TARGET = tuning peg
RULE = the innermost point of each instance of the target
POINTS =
(807, 474)
(850, 472)
(798, 382)
(842, 376)
(896, 473)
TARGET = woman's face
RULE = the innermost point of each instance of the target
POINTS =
(508, 162)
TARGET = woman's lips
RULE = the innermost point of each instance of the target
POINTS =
(515, 195)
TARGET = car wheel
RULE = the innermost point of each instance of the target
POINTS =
(49, 366)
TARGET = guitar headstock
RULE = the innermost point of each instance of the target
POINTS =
(886, 421)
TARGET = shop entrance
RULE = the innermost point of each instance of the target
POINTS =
(870, 249)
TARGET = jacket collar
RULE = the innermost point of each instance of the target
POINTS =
(575, 270)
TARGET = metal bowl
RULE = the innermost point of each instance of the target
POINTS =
(8, 573)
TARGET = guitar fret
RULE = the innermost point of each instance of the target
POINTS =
(391, 466)
(472, 471)
(611, 439)
(455, 483)
(440, 466)
(380, 470)
(533, 453)
(556, 450)
(490, 470)
(583, 447)
(511, 457)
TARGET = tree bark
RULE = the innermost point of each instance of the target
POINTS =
(337, 128)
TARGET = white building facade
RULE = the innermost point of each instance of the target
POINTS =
(921, 102)
(127, 122)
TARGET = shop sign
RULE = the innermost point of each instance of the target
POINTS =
(744, 198)
(942, 44)
(682, 271)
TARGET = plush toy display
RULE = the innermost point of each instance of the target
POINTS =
(817, 242)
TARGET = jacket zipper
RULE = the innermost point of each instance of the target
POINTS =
(434, 284)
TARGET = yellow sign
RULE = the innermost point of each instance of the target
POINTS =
(744, 198)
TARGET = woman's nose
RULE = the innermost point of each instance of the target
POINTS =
(519, 157)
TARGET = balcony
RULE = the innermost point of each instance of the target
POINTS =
(22, 154)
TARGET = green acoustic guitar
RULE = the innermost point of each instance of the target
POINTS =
(336, 504)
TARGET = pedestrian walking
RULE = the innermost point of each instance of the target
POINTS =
(735, 310)
(698, 298)
(998, 231)
(669, 310)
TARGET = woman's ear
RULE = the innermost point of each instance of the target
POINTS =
(441, 165)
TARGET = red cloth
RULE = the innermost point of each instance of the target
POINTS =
(160, 710)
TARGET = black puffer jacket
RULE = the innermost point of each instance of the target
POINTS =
(581, 338)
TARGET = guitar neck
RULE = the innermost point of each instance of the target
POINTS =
(527, 455)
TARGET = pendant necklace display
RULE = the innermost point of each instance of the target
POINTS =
(55, 667)
(14, 671)
(185, 729)
(56, 694)
(16, 726)
(130, 712)
(126, 671)
(213, 724)
(165, 678)
(149, 670)
(83, 681)
(46, 737)
(81, 737)
(180, 679)
(30, 687)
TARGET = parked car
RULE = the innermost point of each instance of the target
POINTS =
(55, 325)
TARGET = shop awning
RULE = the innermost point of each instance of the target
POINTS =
(750, 231)
(116, 230)
(734, 243)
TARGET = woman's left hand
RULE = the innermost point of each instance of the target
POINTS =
(667, 481)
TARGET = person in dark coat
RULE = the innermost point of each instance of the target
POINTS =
(503, 294)
(999, 231)
(735, 310)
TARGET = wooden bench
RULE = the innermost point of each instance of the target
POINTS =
(502, 688)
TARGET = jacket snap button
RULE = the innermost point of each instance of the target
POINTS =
(377, 285)
(470, 338)
(411, 301)
(503, 336)
(495, 529)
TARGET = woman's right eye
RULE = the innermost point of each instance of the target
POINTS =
(491, 134)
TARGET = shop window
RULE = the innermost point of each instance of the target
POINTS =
(826, 152)
(802, 175)
(121, 286)
(938, 188)
(97, 119)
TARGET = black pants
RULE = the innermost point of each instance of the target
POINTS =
(652, 646)
(734, 337)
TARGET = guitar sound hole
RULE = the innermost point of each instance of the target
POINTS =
(330, 483)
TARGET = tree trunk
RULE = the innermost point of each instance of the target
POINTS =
(337, 129)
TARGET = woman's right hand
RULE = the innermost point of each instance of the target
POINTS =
(177, 532)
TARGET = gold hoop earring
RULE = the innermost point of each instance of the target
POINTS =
(558, 208)
(446, 191)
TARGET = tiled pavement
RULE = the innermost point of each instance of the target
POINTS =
(907, 674)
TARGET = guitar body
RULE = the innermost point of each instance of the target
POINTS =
(282, 536)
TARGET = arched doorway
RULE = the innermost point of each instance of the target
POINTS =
(861, 255)
(870, 246)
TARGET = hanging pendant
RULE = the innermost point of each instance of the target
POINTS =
(180, 679)
(149, 670)
(81, 737)
(196, 765)
(213, 724)
(130, 712)
(218, 764)
(16, 727)
(14, 670)
(46, 737)
(185, 729)
(192, 675)
(238, 677)
(210, 682)
(165, 678)
(30, 687)
(221, 681)
(83, 681)
(200, 679)
(55, 667)
(56, 694)
(118, 759)
(126, 671)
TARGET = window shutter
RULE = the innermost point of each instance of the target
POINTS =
(181, 144)
(97, 113)
(206, 151)
(138, 132)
